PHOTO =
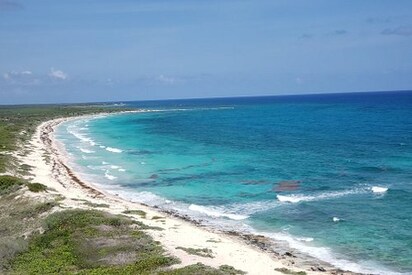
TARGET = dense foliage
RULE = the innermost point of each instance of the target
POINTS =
(18, 123)
(9, 184)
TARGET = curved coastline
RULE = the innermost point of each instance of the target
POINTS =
(65, 180)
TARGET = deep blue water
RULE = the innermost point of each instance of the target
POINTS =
(330, 174)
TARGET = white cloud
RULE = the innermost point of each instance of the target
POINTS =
(58, 74)
(29, 78)
(23, 77)
(14, 74)
(166, 79)
(169, 80)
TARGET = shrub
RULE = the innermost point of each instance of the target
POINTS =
(91, 204)
(203, 252)
(141, 213)
(38, 209)
(90, 242)
(285, 270)
(9, 184)
(36, 187)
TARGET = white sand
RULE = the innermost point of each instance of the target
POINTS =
(227, 250)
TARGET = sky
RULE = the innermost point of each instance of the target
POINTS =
(116, 50)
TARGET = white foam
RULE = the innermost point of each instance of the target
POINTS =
(104, 162)
(86, 151)
(213, 212)
(320, 196)
(335, 219)
(121, 170)
(108, 176)
(187, 109)
(81, 137)
(292, 198)
(379, 189)
(101, 146)
(113, 150)
(303, 239)
(114, 167)
(141, 197)
(326, 254)
(252, 207)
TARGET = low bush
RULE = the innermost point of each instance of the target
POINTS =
(91, 242)
(36, 187)
(9, 184)
(203, 252)
(201, 269)
(285, 270)
(141, 213)
(91, 204)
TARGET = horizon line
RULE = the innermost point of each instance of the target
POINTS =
(198, 98)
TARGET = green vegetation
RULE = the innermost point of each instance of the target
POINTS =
(18, 123)
(91, 242)
(201, 269)
(9, 184)
(36, 187)
(96, 205)
(141, 213)
(21, 218)
(213, 241)
(227, 269)
(203, 252)
(58, 198)
(285, 270)
(24, 170)
(82, 242)
(37, 209)
(83, 200)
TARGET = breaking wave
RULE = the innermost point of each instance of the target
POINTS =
(216, 213)
(322, 196)
(86, 151)
(113, 150)
(379, 189)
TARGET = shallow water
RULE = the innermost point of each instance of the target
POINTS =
(331, 174)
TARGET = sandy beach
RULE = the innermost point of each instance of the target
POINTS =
(249, 253)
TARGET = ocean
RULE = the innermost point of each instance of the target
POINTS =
(329, 174)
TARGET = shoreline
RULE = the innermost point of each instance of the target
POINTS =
(251, 253)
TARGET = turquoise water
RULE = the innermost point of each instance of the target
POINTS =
(329, 174)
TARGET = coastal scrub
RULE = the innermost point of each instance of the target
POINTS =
(91, 242)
